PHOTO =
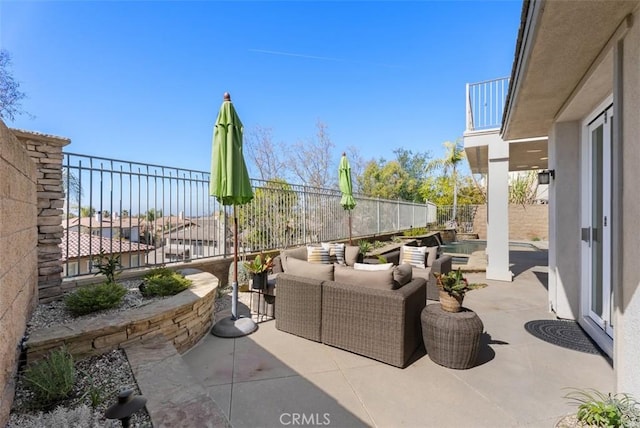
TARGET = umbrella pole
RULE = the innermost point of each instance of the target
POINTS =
(350, 228)
(234, 289)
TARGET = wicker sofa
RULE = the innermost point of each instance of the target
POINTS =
(383, 324)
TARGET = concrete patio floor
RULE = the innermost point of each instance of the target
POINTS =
(271, 378)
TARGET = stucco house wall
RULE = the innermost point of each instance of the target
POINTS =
(18, 257)
(627, 316)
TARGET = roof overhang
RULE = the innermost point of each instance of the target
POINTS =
(559, 45)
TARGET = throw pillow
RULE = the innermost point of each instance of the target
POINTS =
(402, 275)
(365, 266)
(321, 272)
(381, 280)
(318, 255)
(336, 252)
(415, 256)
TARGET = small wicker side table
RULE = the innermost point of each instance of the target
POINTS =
(452, 339)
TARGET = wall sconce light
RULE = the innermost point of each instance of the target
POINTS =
(544, 177)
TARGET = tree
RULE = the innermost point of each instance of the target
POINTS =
(87, 211)
(523, 188)
(71, 185)
(10, 93)
(454, 154)
(400, 178)
(266, 155)
(312, 161)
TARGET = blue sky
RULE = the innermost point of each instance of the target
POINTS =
(144, 80)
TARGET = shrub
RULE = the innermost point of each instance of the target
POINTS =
(51, 379)
(107, 265)
(95, 298)
(364, 247)
(416, 231)
(81, 416)
(163, 282)
(605, 410)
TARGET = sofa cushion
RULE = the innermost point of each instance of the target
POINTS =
(299, 253)
(432, 254)
(382, 280)
(318, 255)
(351, 253)
(378, 266)
(336, 252)
(402, 274)
(319, 271)
(421, 273)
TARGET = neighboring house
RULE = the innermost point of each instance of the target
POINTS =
(80, 249)
(196, 237)
(576, 80)
(110, 227)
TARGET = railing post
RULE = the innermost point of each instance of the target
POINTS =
(468, 110)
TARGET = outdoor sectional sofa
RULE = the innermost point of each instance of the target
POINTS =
(361, 313)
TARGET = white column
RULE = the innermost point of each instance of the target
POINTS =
(498, 212)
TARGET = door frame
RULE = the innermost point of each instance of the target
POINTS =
(603, 337)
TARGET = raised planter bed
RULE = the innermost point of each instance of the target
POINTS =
(183, 319)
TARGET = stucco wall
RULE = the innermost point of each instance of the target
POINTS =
(18, 256)
(564, 198)
(526, 222)
(627, 326)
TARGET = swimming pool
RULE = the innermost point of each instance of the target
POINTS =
(468, 247)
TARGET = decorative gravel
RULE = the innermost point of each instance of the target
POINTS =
(108, 373)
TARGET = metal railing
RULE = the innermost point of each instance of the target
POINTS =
(485, 103)
(151, 215)
(461, 220)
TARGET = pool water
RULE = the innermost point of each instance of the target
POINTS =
(468, 247)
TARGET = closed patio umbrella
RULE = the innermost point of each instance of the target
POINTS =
(230, 184)
(344, 180)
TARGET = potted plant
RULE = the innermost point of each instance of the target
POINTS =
(453, 286)
(259, 270)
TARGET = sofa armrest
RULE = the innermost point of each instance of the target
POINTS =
(298, 307)
(441, 265)
(380, 324)
(277, 264)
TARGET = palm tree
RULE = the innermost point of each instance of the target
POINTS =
(454, 154)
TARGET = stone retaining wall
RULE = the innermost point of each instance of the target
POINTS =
(183, 319)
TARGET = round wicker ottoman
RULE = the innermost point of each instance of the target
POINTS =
(452, 339)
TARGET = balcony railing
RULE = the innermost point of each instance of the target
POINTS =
(152, 215)
(485, 104)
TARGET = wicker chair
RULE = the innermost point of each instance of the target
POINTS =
(299, 306)
(379, 324)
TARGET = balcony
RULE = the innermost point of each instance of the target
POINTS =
(485, 104)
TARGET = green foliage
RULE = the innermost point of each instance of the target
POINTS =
(382, 259)
(523, 189)
(107, 265)
(455, 283)
(95, 298)
(364, 247)
(416, 231)
(378, 244)
(163, 282)
(51, 379)
(87, 211)
(257, 265)
(400, 178)
(605, 410)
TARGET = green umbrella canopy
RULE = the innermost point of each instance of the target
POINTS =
(344, 175)
(229, 177)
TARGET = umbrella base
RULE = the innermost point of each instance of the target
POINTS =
(230, 327)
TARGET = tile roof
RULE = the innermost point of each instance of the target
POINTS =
(84, 245)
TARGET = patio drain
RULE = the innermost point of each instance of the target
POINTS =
(565, 333)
